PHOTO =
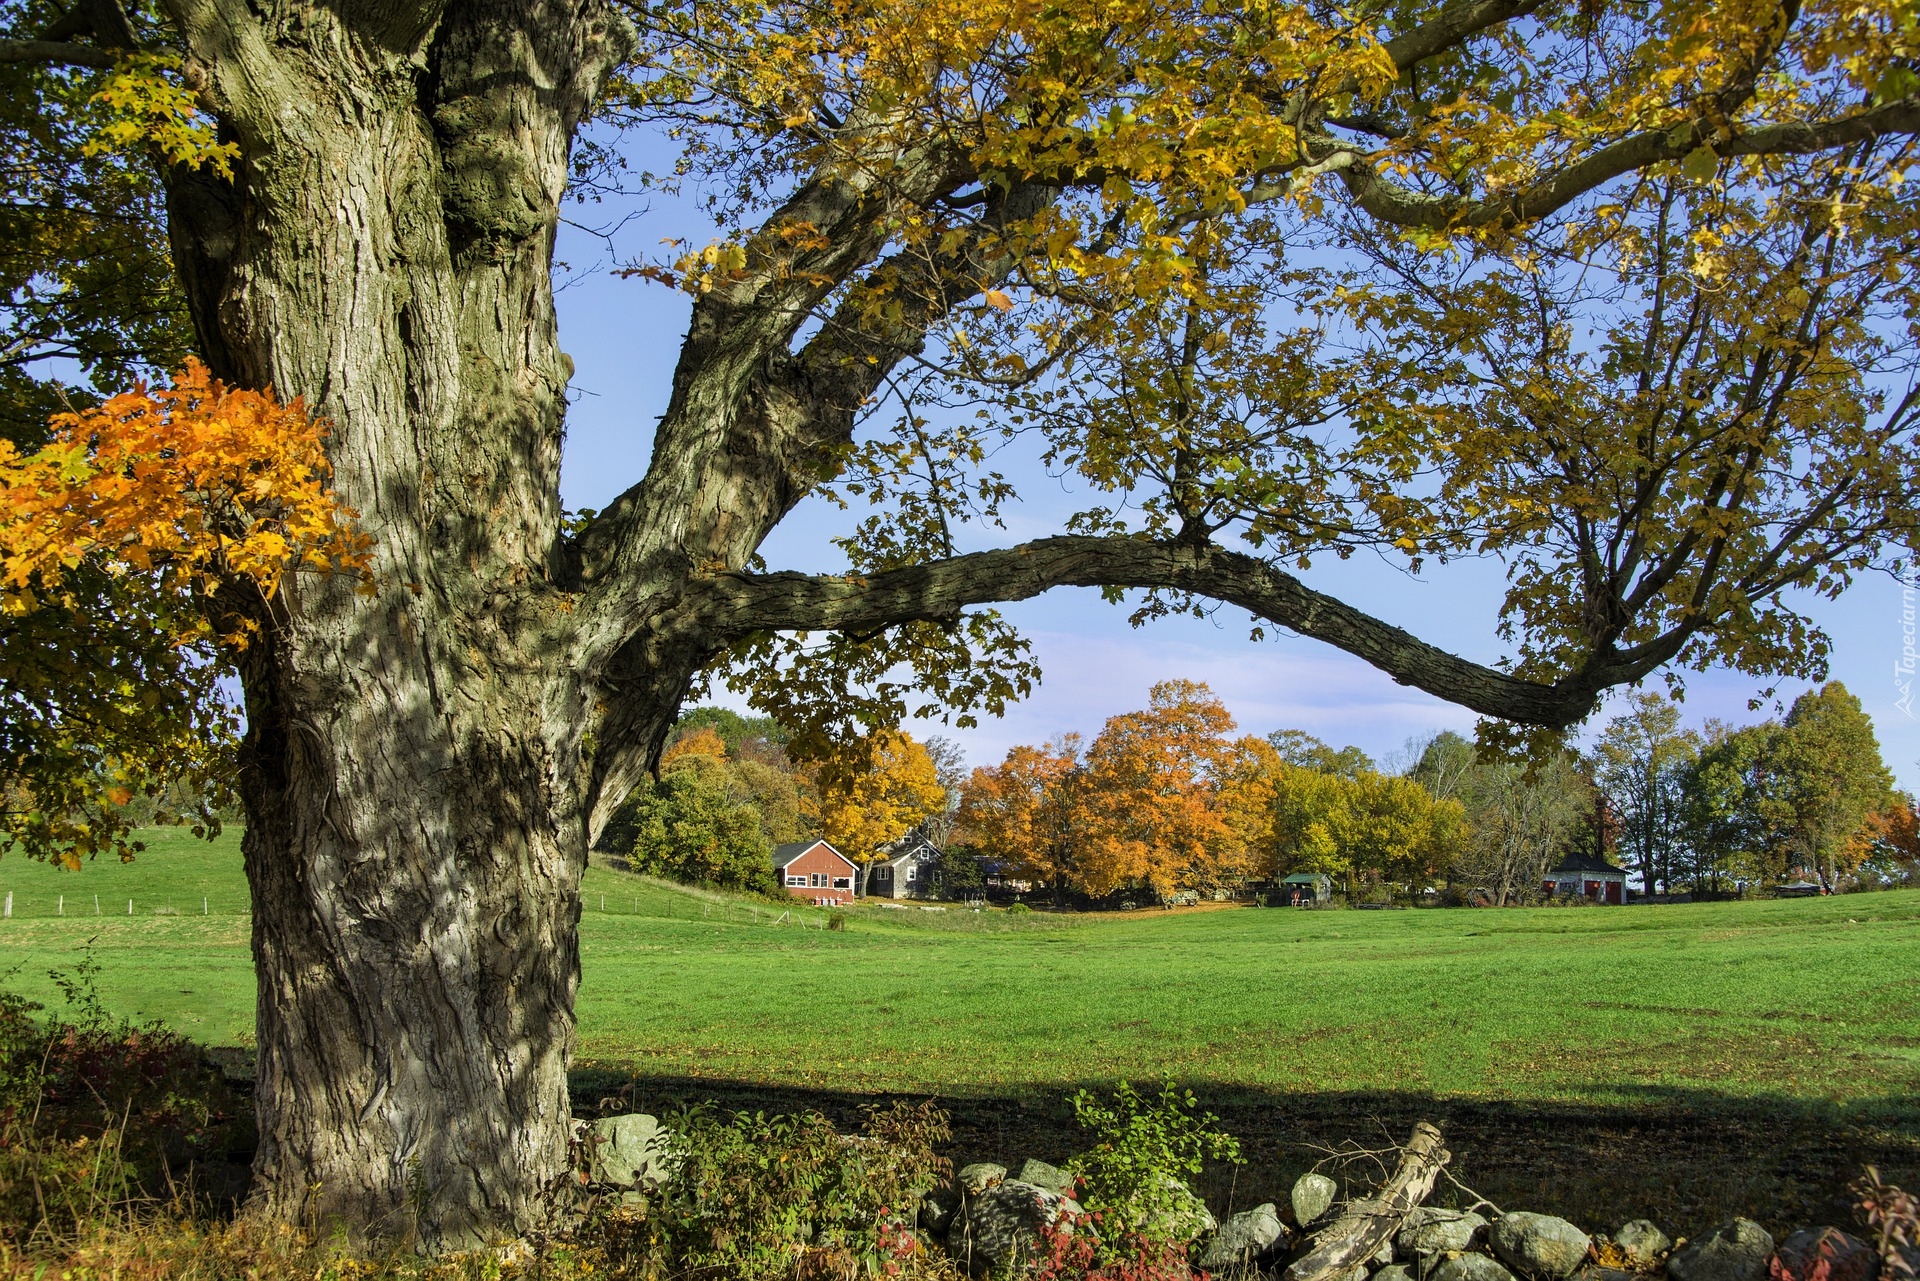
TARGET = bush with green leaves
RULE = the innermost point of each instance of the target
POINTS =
(1134, 1178)
(755, 1194)
(687, 828)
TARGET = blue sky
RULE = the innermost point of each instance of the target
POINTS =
(624, 335)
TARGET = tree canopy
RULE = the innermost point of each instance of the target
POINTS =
(1619, 294)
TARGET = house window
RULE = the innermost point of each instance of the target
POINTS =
(796, 880)
(816, 879)
(842, 883)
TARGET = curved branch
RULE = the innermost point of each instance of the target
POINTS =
(739, 604)
(1452, 25)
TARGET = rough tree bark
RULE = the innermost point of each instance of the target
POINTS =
(412, 770)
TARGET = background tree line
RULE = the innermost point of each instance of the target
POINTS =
(1169, 799)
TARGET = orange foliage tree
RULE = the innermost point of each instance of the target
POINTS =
(1888, 843)
(1027, 814)
(124, 542)
(873, 792)
(1158, 785)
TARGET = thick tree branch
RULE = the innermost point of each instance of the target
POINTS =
(728, 400)
(1403, 206)
(772, 424)
(1451, 26)
(58, 53)
(740, 604)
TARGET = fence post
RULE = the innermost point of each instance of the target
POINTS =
(203, 905)
(129, 907)
(96, 905)
(9, 902)
(60, 908)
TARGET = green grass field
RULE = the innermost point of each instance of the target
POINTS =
(1700, 1057)
(1811, 998)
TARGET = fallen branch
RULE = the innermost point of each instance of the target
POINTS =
(1365, 1224)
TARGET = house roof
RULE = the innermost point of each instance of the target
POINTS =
(915, 846)
(1304, 878)
(1586, 863)
(785, 854)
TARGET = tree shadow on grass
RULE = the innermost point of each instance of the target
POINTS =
(1685, 1158)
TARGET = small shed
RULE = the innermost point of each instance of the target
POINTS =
(815, 871)
(1305, 889)
(1587, 876)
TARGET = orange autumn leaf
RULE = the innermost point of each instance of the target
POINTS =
(205, 484)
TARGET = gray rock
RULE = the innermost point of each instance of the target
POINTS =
(1643, 1242)
(1735, 1251)
(1244, 1239)
(938, 1207)
(1312, 1197)
(1003, 1224)
(980, 1176)
(632, 1151)
(1428, 1229)
(1539, 1245)
(1396, 1272)
(1470, 1267)
(1384, 1255)
(1601, 1272)
(1042, 1175)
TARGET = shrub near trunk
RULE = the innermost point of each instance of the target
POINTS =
(96, 1113)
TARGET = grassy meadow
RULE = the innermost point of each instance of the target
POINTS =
(1702, 1056)
(1817, 998)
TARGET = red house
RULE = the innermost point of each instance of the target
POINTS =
(815, 871)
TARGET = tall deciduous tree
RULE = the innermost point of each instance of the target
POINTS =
(1829, 779)
(1519, 814)
(1155, 807)
(1026, 813)
(1730, 821)
(979, 201)
(687, 827)
(1644, 757)
(1364, 827)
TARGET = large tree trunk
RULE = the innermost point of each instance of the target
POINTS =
(416, 822)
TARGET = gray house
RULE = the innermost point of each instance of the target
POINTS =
(1583, 874)
(906, 872)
